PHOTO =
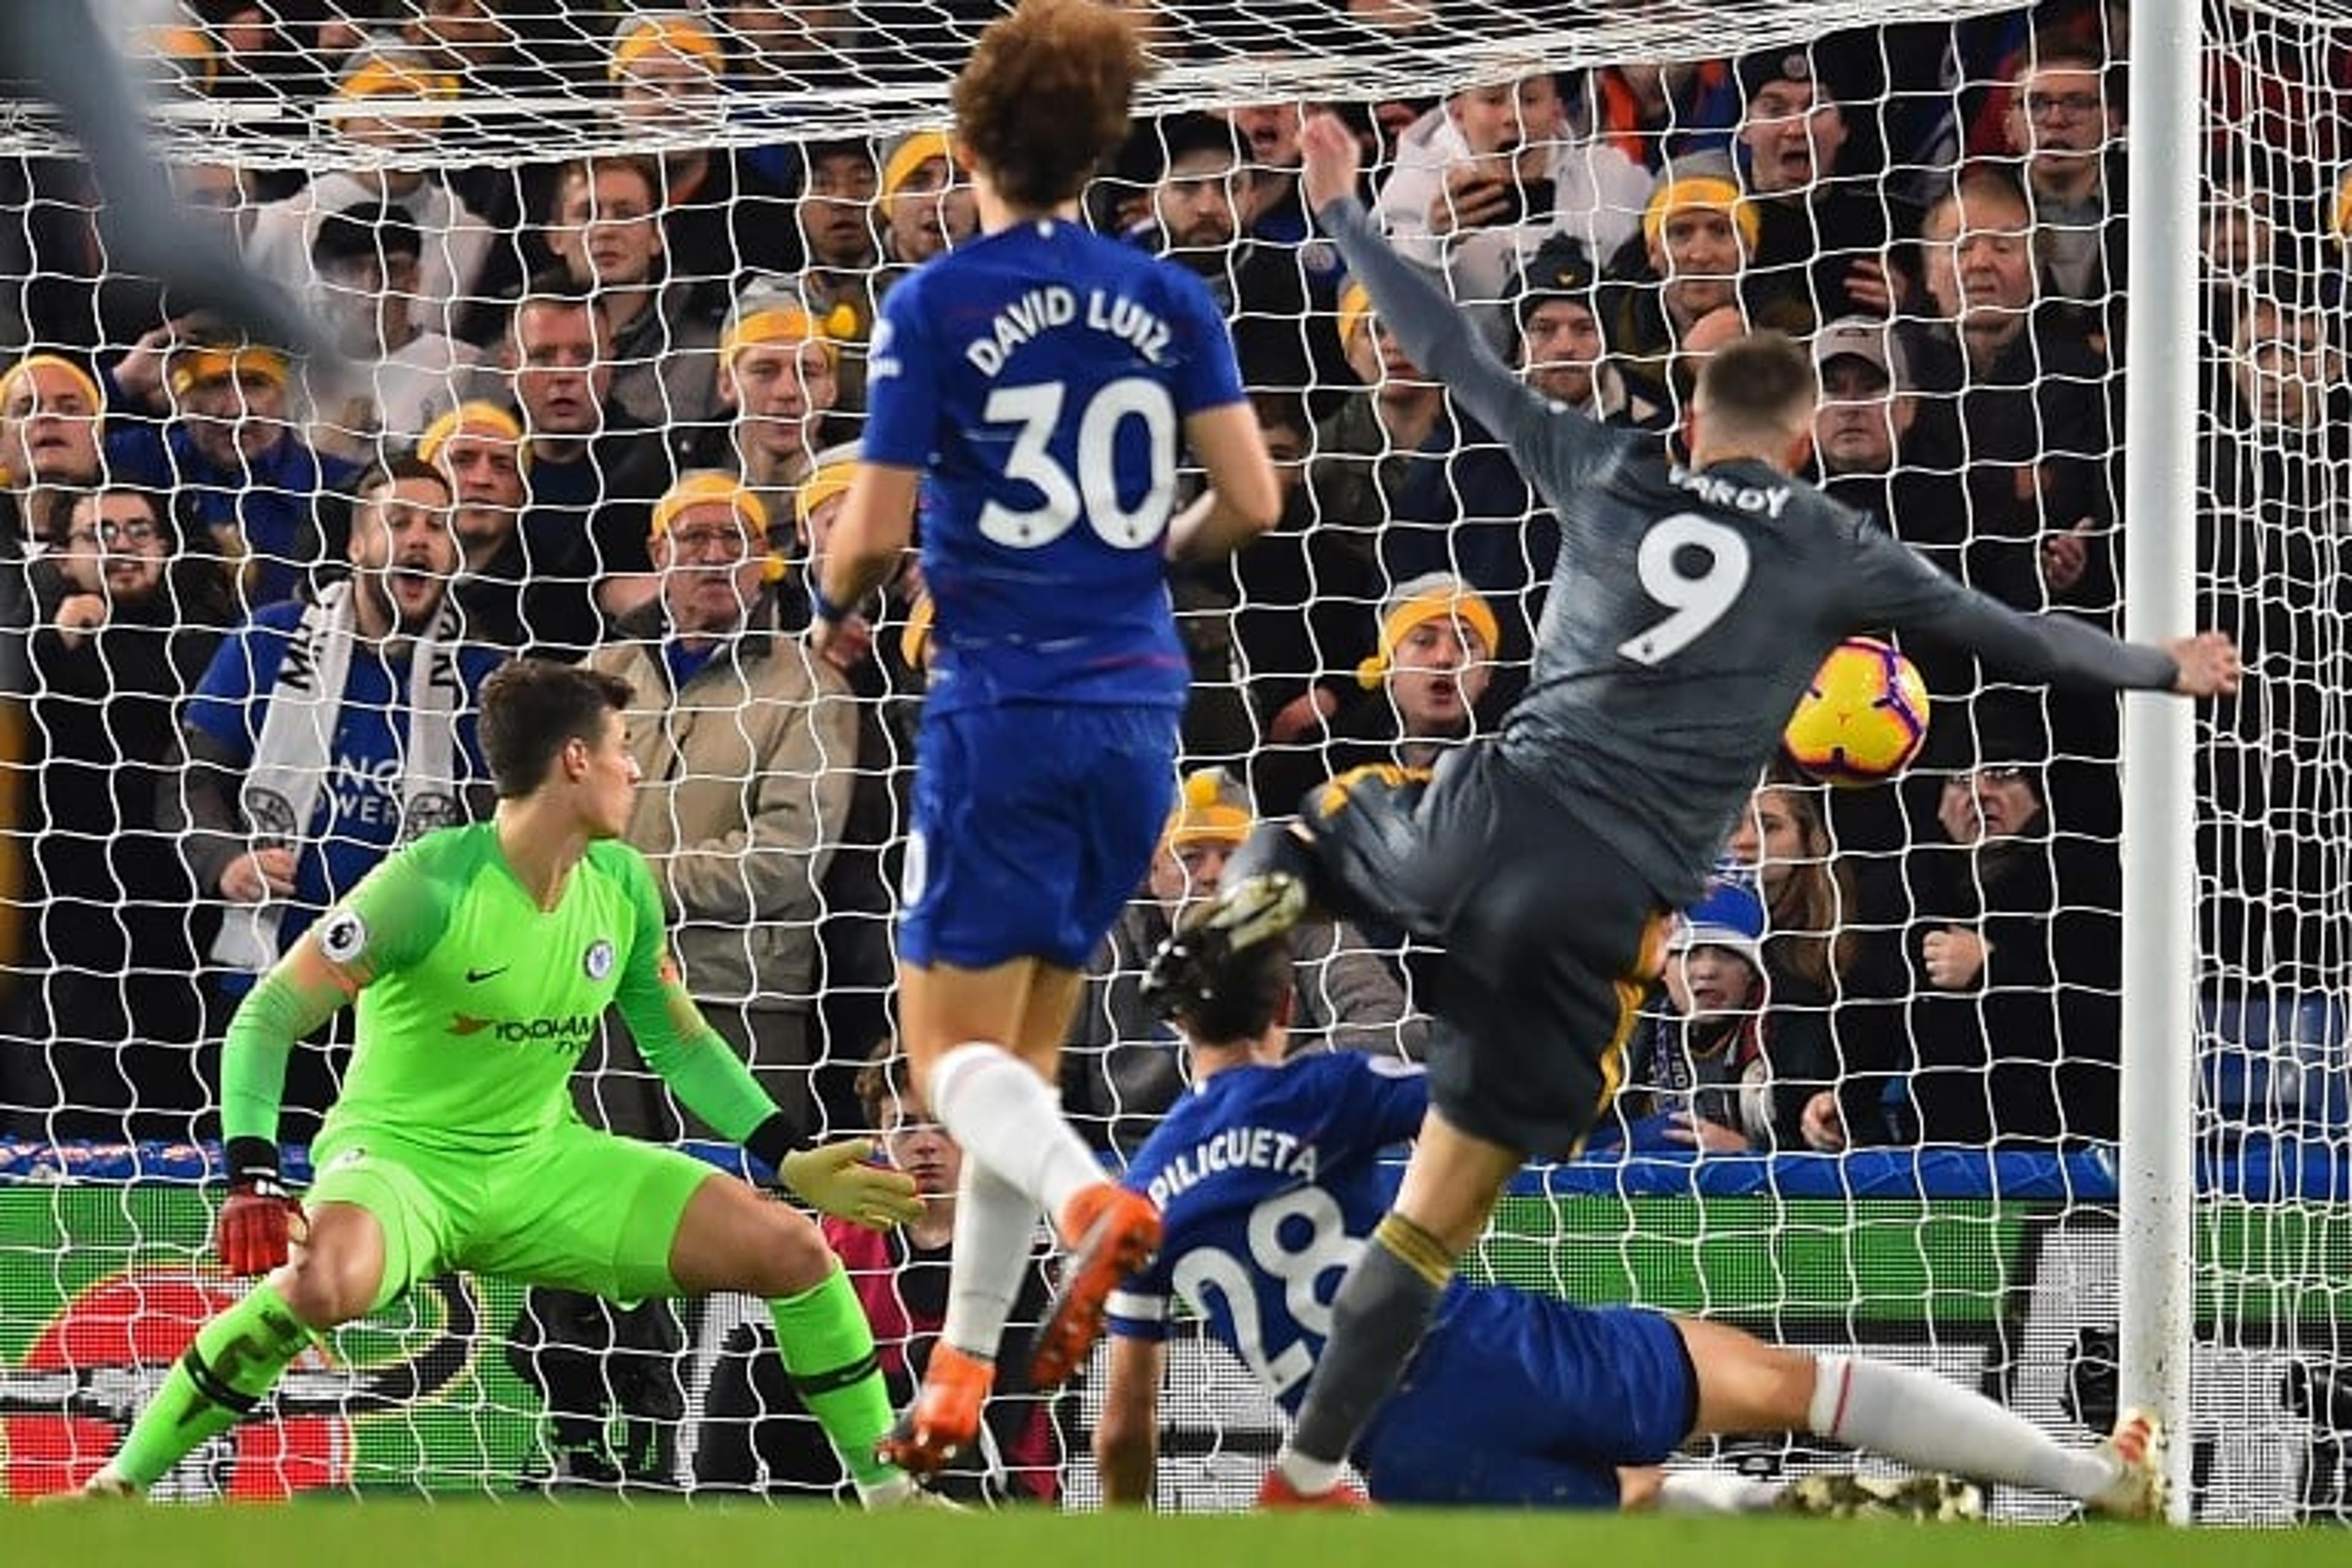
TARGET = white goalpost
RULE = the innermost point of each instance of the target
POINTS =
(2156, 1153)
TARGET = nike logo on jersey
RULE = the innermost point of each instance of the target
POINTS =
(476, 977)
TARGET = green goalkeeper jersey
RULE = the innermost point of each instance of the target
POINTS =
(481, 1002)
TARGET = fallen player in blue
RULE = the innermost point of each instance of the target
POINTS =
(1266, 1178)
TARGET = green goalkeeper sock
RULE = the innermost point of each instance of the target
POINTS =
(217, 1382)
(828, 1348)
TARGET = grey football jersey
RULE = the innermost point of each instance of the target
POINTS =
(1688, 610)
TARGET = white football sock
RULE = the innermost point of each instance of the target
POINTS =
(994, 1224)
(1716, 1492)
(1311, 1477)
(1004, 1117)
(1925, 1421)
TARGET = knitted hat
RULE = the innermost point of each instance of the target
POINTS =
(1707, 192)
(911, 153)
(1432, 596)
(769, 311)
(193, 367)
(1730, 916)
(472, 419)
(1212, 808)
(836, 466)
(700, 486)
(83, 381)
(676, 31)
(392, 71)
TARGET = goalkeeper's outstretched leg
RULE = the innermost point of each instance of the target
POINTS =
(228, 1373)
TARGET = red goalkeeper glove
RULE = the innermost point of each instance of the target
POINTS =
(256, 1223)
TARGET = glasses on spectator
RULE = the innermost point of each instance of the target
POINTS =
(2072, 105)
(724, 543)
(139, 532)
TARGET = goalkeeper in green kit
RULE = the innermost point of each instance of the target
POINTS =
(481, 960)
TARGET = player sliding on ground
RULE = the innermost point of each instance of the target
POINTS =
(1690, 603)
(1269, 1183)
(1040, 376)
(481, 960)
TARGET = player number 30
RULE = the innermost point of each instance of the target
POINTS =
(1093, 490)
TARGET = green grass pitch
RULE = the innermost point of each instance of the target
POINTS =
(609, 1535)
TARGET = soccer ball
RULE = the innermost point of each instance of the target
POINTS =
(1863, 718)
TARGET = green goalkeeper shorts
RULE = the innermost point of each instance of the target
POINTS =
(575, 1208)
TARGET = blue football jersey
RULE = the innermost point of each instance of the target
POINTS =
(1040, 377)
(1269, 1183)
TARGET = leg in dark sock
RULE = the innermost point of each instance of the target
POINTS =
(1376, 1320)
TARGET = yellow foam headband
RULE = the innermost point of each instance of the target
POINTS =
(695, 490)
(388, 79)
(790, 324)
(196, 366)
(188, 45)
(472, 419)
(915, 637)
(829, 481)
(1419, 610)
(1355, 305)
(912, 153)
(1204, 815)
(84, 382)
(1699, 191)
(678, 34)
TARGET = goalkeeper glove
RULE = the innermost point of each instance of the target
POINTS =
(258, 1222)
(839, 1180)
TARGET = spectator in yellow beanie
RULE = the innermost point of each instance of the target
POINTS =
(49, 413)
(926, 203)
(1422, 690)
(1125, 1072)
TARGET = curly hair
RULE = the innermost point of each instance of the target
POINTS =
(1044, 97)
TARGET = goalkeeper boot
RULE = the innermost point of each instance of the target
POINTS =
(903, 1491)
(2142, 1488)
(1193, 964)
(109, 1485)
(1275, 1494)
(1847, 1496)
(1110, 1232)
(944, 1420)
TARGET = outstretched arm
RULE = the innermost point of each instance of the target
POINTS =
(711, 1081)
(1127, 1439)
(1427, 323)
(63, 48)
(1897, 588)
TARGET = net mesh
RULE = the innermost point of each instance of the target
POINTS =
(755, 179)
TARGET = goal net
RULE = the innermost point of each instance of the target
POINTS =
(1911, 1153)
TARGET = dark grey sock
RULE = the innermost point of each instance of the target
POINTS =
(1377, 1319)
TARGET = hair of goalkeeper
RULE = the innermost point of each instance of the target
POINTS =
(1760, 388)
(1252, 996)
(532, 708)
(1044, 98)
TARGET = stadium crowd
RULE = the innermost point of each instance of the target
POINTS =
(606, 409)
